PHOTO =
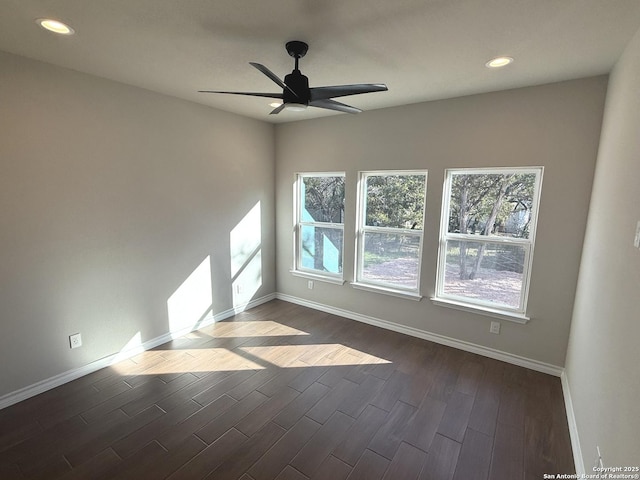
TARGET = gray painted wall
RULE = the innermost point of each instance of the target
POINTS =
(557, 126)
(110, 197)
(603, 355)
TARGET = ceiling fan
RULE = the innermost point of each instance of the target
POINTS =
(297, 95)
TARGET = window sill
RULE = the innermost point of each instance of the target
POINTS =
(318, 277)
(387, 291)
(490, 312)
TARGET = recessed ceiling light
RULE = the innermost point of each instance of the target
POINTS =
(275, 104)
(499, 62)
(55, 26)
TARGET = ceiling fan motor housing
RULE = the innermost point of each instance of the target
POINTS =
(299, 83)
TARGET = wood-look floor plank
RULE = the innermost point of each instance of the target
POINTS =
(55, 466)
(290, 473)
(137, 405)
(10, 436)
(448, 364)
(371, 466)
(388, 437)
(138, 462)
(339, 394)
(484, 414)
(508, 453)
(423, 426)
(210, 394)
(248, 453)
(166, 463)
(252, 383)
(469, 377)
(332, 469)
(10, 470)
(475, 457)
(360, 435)
(393, 389)
(255, 420)
(210, 458)
(512, 402)
(281, 380)
(318, 448)
(354, 404)
(406, 464)
(96, 467)
(184, 395)
(456, 416)
(121, 399)
(304, 377)
(57, 446)
(130, 444)
(293, 412)
(274, 461)
(177, 434)
(91, 446)
(538, 448)
(441, 459)
(80, 403)
(216, 428)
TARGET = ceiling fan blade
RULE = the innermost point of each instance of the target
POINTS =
(333, 105)
(277, 110)
(252, 94)
(322, 93)
(272, 76)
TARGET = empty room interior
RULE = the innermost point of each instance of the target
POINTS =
(424, 264)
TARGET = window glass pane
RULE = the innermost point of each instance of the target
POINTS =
(488, 272)
(321, 249)
(322, 199)
(395, 201)
(492, 204)
(392, 259)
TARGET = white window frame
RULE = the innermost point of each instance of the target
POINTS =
(362, 229)
(519, 314)
(299, 269)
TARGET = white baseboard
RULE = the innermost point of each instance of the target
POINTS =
(433, 337)
(573, 427)
(65, 377)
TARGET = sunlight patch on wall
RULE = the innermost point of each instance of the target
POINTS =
(245, 245)
(190, 303)
(133, 345)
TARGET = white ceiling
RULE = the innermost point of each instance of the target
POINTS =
(422, 49)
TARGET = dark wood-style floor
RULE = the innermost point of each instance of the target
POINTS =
(288, 393)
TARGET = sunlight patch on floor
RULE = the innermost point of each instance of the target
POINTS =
(321, 355)
(155, 362)
(264, 328)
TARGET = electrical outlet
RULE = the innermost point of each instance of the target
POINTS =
(495, 328)
(310, 284)
(238, 289)
(75, 340)
(636, 241)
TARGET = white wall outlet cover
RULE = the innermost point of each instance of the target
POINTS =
(495, 327)
(310, 284)
(636, 241)
(75, 340)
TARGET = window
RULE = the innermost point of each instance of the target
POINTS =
(389, 234)
(319, 227)
(486, 237)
